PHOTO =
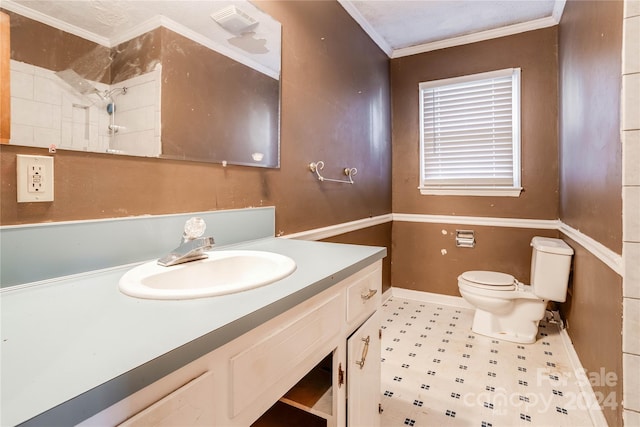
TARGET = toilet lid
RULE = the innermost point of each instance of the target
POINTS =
(489, 280)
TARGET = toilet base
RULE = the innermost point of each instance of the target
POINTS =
(509, 328)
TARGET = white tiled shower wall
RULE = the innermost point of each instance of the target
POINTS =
(630, 131)
(46, 111)
(138, 112)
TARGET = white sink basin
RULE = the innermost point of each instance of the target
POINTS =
(224, 272)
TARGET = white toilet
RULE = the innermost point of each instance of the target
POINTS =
(509, 310)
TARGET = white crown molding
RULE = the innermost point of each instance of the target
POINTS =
(476, 37)
(366, 26)
(610, 258)
(334, 230)
(544, 224)
(54, 22)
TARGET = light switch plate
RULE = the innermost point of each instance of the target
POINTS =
(34, 178)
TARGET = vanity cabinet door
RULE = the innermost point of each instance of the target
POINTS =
(363, 374)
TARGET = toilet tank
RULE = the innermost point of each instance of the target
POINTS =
(550, 265)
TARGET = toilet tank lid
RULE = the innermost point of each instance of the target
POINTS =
(492, 278)
(551, 245)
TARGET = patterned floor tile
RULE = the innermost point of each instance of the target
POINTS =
(435, 371)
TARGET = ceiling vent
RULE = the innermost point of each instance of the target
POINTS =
(234, 20)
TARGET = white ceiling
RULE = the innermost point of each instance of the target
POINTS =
(405, 27)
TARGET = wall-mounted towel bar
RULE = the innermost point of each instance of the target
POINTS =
(316, 167)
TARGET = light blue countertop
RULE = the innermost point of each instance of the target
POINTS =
(76, 345)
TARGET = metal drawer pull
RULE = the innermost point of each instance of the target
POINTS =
(369, 294)
(365, 350)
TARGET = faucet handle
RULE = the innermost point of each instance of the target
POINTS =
(193, 228)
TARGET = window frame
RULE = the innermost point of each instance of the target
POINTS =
(459, 187)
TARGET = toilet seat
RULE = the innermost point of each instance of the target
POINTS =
(490, 280)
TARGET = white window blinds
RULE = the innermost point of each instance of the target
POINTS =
(470, 134)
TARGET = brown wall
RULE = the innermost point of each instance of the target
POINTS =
(335, 107)
(593, 314)
(417, 261)
(590, 40)
(535, 52)
(379, 235)
(591, 151)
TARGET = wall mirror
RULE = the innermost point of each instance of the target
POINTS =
(178, 79)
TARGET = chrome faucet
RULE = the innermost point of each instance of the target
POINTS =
(192, 245)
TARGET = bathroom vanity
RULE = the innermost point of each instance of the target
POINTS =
(76, 350)
(295, 366)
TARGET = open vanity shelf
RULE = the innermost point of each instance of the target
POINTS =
(309, 402)
(283, 415)
(314, 393)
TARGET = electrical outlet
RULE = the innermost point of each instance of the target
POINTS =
(34, 178)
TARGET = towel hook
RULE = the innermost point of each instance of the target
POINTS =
(316, 167)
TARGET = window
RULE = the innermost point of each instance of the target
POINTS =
(470, 135)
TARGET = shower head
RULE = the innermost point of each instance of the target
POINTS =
(78, 83)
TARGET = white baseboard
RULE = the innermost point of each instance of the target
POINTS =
(387, 294)
(595, 411)
(430, 297)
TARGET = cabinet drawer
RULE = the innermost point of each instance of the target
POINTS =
(364, 294)
(189, 405)
(255, 370)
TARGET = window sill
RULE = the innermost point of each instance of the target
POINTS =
(492, 192)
